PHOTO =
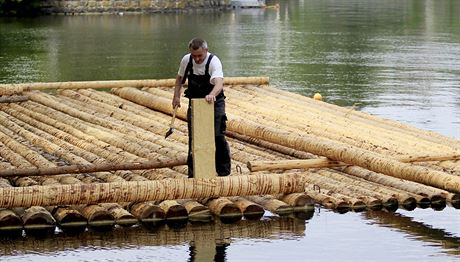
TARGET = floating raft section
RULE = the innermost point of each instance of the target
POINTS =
(83, 156)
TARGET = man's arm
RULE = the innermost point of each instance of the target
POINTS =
(177, 92)
(218, 87)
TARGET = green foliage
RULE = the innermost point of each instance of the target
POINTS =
(19, 7)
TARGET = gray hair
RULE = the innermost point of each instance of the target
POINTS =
(197, 43)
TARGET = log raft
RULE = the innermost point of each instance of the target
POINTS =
(91, 156)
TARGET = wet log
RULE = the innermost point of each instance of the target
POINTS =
(328, 201)
(91, 168)
(174, 212)
(299, 201)
(13, 99)
(98, 217)
(147, 212)
(196, 211)
(36, 219)
(225, 209)
(10, 222)
(422, 193)
(250, 210)
(272, 204)
(68, 219)
(122, 216)
(151, 190)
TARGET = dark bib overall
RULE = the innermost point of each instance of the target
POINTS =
(198, 87)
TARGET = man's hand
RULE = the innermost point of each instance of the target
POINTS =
(176, 102)
(210, 98)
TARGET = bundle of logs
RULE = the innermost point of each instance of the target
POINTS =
(78, 156)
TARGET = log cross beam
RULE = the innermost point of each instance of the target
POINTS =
(91, 168)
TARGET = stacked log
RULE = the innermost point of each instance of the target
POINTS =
(115, 142)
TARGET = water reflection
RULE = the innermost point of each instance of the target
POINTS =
(205, 240)
(417, 230)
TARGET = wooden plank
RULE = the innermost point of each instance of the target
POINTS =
(203, 145)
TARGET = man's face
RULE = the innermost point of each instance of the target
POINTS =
(199, 55)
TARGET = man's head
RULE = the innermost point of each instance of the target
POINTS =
(198, 49)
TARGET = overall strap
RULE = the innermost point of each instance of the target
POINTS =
(206, 72)
(188, 69)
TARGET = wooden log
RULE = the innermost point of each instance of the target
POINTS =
(151, 190)
(122, 216)
(174, 211)
(10, 222)
(7, 89)
(196, 211)
(13, 99)
(98, 217)
(299, 201)
(328, 201)
(225, 209)
(147, 212)
(69, 219)
(316, 145)
(36, 219)
(255, 166)
(422, 193)
(352, 155)
(250, 210)
(272, 204)
(91, 168)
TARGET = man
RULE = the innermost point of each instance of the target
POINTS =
(205, 80)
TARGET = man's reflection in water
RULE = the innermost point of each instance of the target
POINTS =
(208, 251)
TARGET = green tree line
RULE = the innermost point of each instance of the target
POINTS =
(19, 7)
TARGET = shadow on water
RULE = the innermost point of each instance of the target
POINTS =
(419, 230)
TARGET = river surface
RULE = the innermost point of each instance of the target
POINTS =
(399, 59)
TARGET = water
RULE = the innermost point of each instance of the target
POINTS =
(399, 59)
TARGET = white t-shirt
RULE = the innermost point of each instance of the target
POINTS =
(215, 67)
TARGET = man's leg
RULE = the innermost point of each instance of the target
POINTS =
(189, 155)
(223, 160)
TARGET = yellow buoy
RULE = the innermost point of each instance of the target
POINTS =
(318, 96)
